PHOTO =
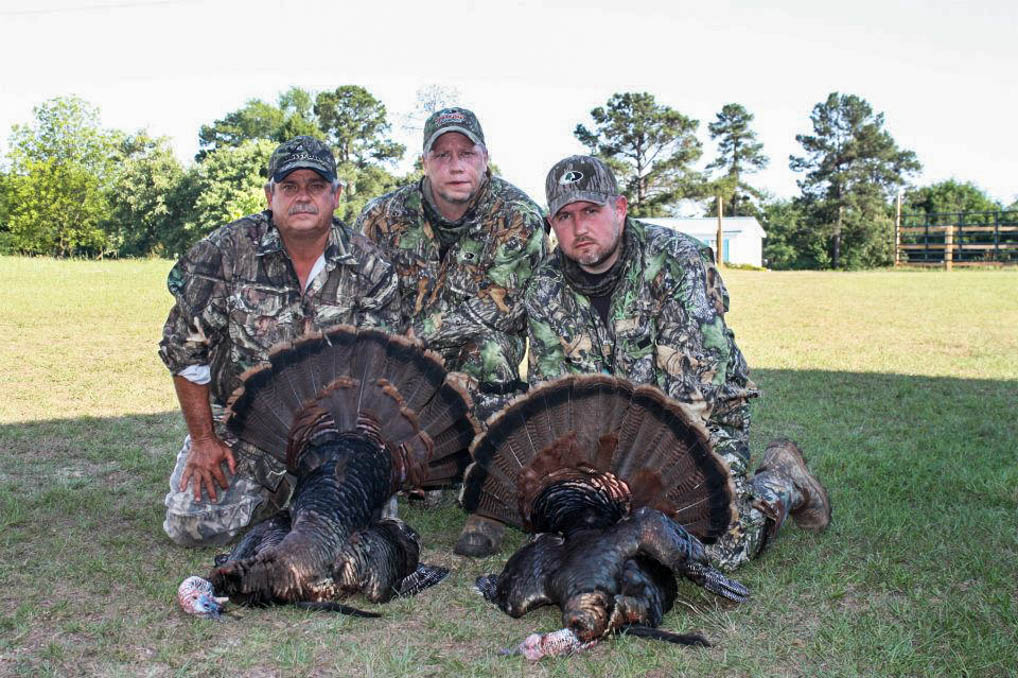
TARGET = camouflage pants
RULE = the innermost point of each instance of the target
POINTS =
(204, 523)
(762, 503)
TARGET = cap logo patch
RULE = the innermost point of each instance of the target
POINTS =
(451, 117)
(570, 177)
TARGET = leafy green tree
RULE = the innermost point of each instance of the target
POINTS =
(6, 246)
(61, 166)
(355, 124)
(361, 184)
(852, 166)
(650, 147)
(949, 197)
(292, 115)
(790, 242)
(141, 216)
(228, 184)
(739, 153)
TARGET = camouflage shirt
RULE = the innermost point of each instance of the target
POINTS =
(665, 327)
(465, 305)
(237, 295)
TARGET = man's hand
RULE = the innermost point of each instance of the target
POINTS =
(208, 452)
(205, 464)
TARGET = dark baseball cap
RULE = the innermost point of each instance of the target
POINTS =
(302, 153)
(579, 177)
(452, 120)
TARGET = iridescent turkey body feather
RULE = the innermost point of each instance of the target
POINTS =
(356, 415)
(620, 486)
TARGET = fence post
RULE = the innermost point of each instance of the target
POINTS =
(948, 246)
(960, 235)
(996, 236)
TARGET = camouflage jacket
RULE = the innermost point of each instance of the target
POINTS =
(466, 306)
(666, 327)
(237, 295)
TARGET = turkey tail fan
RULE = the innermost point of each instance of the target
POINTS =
(360, 378)
(610, 430)
(422, 414)
(675, 469)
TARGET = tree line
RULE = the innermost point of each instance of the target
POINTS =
(69, 187)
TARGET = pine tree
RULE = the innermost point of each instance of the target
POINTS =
(650, 147)
(853, 166)
(739, 153)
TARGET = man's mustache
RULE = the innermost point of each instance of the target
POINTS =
(302, 209)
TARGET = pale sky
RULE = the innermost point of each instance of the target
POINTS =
(943, 73)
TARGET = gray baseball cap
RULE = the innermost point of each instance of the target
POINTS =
(579, 177)
(452, 120)
(302, 153)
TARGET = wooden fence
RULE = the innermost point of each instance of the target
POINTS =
(957, 239)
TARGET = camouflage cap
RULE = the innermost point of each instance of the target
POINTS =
(579, 177)
(452, 120)
(302, 153)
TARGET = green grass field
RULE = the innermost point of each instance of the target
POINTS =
(901, 386)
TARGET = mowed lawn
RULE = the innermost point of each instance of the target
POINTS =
(902, 387)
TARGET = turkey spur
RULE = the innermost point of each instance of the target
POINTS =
(356, 415)
(621, 488)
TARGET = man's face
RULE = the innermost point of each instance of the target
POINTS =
(455, 165)
(589, 233)
(302, 204)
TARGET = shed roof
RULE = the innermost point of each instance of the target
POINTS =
(708, 226)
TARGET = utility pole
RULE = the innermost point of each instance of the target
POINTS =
(719, 240)
(897, 230)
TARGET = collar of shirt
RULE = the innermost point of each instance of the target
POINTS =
(337, 250)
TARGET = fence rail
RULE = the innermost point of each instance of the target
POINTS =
(957, 238)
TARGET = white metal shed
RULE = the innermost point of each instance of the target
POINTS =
(743, 236)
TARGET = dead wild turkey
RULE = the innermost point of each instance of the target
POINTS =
(356, 415)
(622, 488)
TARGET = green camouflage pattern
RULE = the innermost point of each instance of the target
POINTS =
(468, 306)
(579, 177)
(302, 152)
(666, 327)
(237, 295)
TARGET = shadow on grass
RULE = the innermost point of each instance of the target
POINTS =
(920, 557)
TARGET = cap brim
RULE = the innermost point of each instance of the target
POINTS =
(451, 128)
(287, 169)
(578, 196)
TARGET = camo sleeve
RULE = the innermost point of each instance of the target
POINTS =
(198, 317)
(372, 227)
(544, 302)
(697, 356)
(378, 293)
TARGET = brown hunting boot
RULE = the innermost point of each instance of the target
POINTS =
(480, 537)
(785, 458)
